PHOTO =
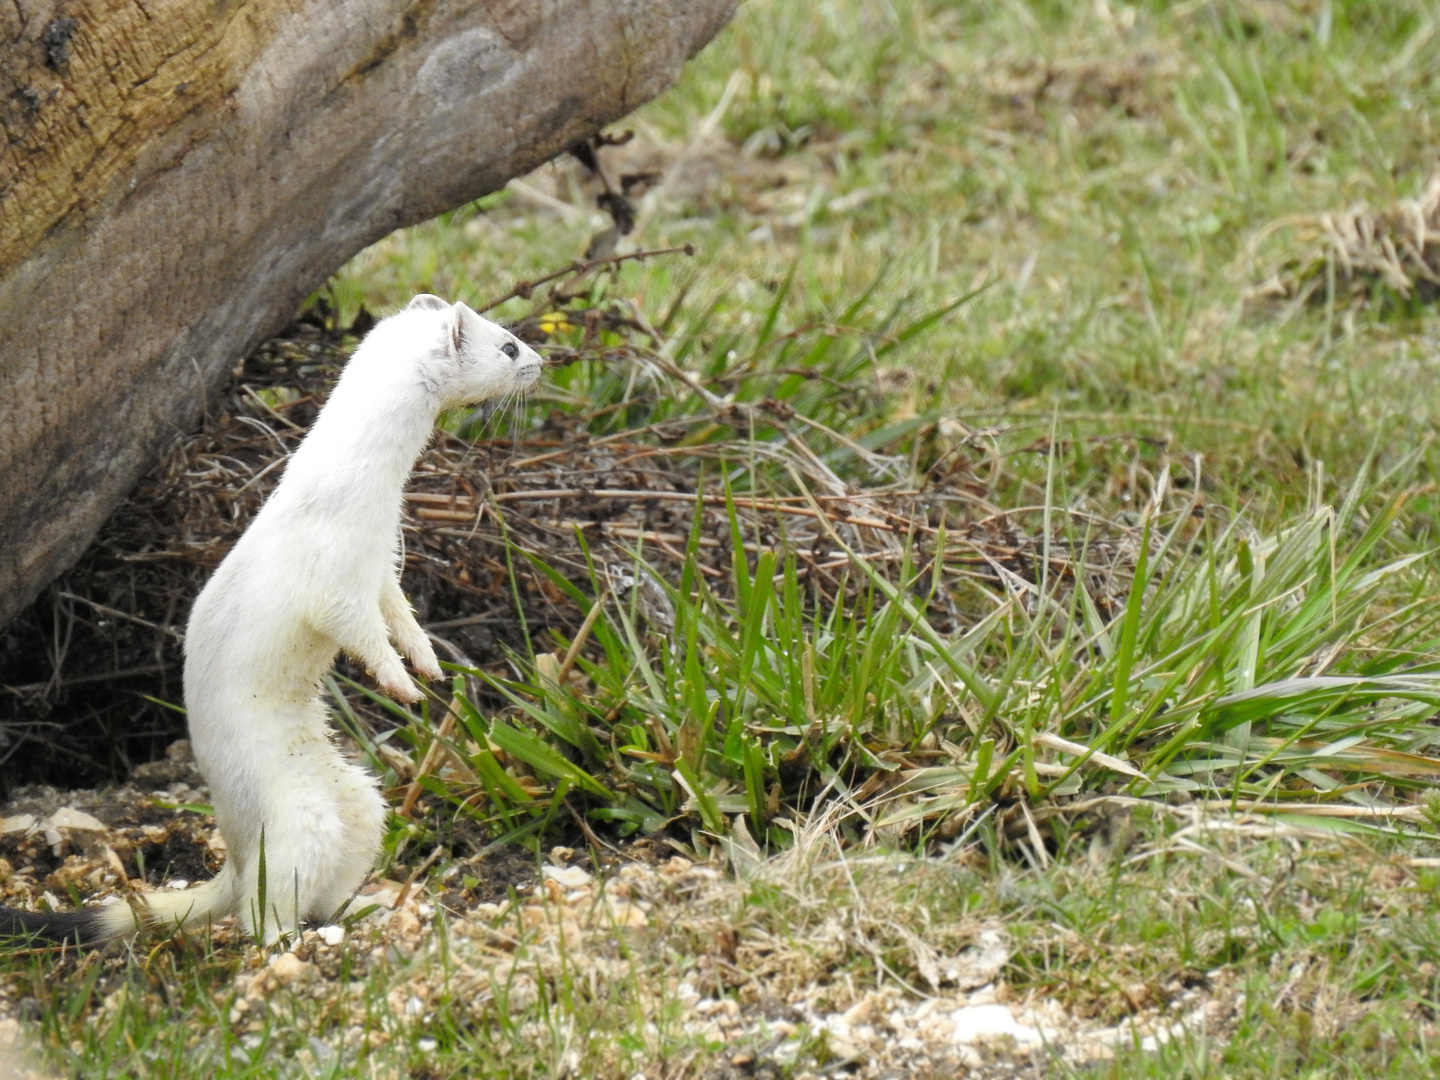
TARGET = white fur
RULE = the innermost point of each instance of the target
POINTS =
(316, 573)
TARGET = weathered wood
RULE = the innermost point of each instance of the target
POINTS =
(177, 175)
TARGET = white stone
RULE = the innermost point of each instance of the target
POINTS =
(688, 996)
(68, 818)
(981, 1023)
(289, 968)
(567, 877)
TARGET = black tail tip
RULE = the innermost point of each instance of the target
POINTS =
(33, 927)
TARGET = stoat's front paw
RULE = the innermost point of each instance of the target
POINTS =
(424, 661)
(413, 642)
(393, 680)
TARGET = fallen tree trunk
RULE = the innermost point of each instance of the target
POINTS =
(178, 176)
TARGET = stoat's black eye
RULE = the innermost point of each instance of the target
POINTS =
(510, 349)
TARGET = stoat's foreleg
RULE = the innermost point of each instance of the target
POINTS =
(360, 630)
(400, 621)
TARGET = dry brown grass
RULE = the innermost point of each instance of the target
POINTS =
(1386, 255)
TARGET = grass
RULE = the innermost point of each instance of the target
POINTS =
(1155, 697)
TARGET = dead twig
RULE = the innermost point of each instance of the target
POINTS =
(580, 268)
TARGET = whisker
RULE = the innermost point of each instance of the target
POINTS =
(517, 409)
(496, 408)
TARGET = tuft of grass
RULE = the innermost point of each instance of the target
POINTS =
(1386, 256)
(1278, 670)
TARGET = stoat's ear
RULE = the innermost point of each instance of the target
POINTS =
(464, 324)
(458, 314)
(425, 300)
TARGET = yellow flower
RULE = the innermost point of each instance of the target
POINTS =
(553, 321)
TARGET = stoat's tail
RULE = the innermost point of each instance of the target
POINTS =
(76, 927)
(164, 912)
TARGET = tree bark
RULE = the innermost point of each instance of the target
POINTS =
(177, 175)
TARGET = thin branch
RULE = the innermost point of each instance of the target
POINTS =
(525, 289)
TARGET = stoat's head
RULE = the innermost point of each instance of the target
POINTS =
(478, 360)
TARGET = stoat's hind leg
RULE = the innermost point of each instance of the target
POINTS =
(362, 816)
(322, 831)
(400, 621)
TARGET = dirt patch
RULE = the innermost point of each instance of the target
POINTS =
(149, 832)
(490, 878)
(1026, 94)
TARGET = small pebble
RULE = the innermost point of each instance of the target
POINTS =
(568, 877)
(288, 967)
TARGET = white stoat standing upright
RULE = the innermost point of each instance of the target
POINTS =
(316, 573)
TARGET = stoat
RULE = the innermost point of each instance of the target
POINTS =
(316, 573)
